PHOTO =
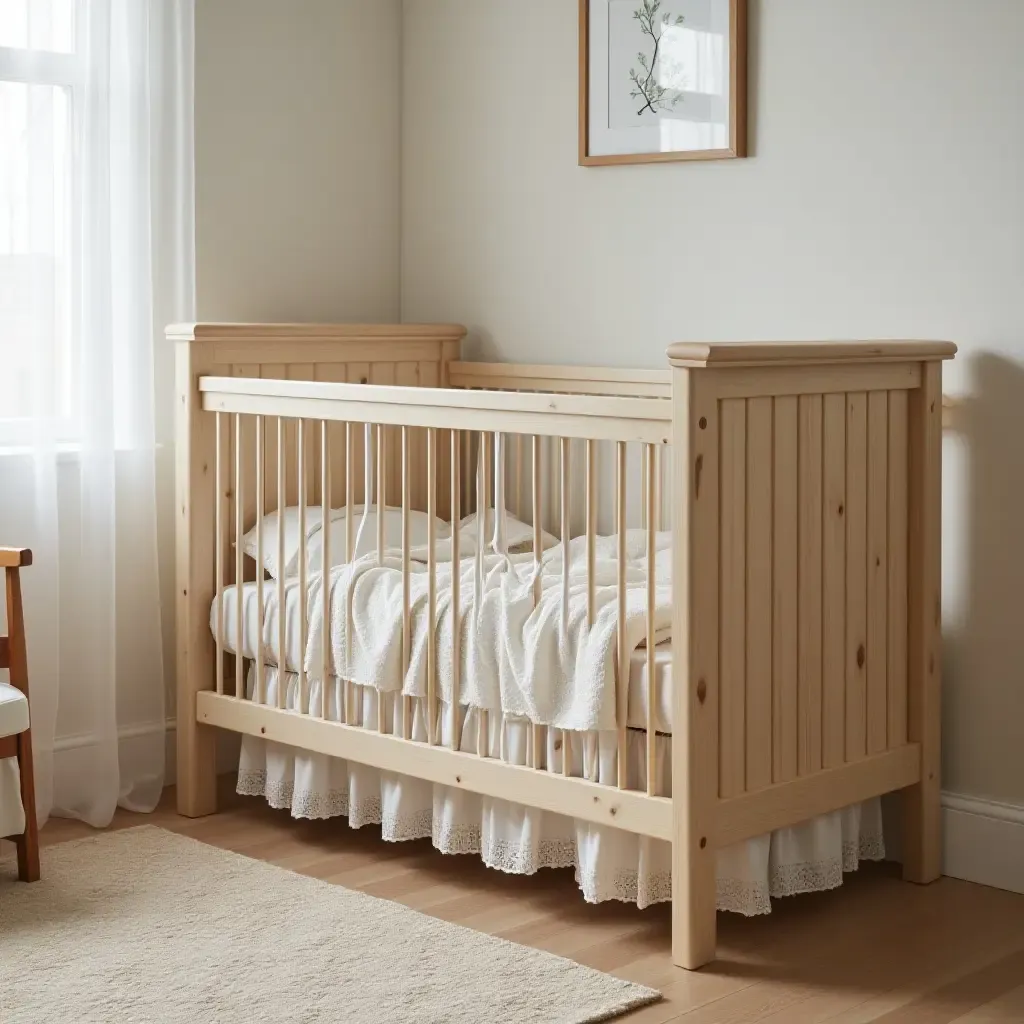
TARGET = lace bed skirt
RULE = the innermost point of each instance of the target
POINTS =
(610, 864)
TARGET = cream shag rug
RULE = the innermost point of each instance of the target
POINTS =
(145, 925)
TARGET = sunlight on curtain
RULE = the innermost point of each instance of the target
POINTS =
(96, 255)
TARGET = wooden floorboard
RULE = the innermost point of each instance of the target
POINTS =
(876, 950)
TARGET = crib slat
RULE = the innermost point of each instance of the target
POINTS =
(591, 530)
(759, 593)
(537, 731)
(564, 502)
(282, 658)
(732, 656)
(325, 563)
(406, 623)
(380, 437)
(239, 567)
(877, 570)
(856, 574)
(481, 517)
(519, 476)
(833, 583)
(651, 506)
(456, 512)
(622, 654)
(382, 470)
(784, 583)
(431, 585)
(303, 472)
(261, 682)
(347, 689)
(219, 550)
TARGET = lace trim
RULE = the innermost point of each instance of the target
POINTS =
(403, 828)
(519, 858)
(819, 876)
(449, 838)
(737, 896)
(625, 886)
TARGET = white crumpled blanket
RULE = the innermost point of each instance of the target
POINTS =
(514, 656)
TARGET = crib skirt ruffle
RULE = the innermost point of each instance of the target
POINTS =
(609, 864)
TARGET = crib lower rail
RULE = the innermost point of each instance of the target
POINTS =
(789, 803)
(631, 810)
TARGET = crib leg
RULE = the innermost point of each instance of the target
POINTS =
(197, 766)
(922, 822)
(694, 934)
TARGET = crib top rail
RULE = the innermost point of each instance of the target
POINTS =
(576, 380)
(804, 353)
(599, 418)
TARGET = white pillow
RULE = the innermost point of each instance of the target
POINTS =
(291, 535)
(419, 526)
(367, 543)
(518, 535)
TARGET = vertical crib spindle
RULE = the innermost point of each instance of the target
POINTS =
(302, 472)
(563, 496)
(622, 654)
(382, 470)
(591, 531)
(406, 622)
(381, 439)
(431, 585)
(261, 682)
(456, 472)
(219, 551)
(347, 690)
(282, 657)
(325, 562)
(478, 574)
(535, 729)
(239, 568)
(519, 476)
(651, 504)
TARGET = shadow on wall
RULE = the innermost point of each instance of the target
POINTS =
(983, 661)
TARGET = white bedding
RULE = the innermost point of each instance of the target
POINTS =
(637, 712)
(518, 655)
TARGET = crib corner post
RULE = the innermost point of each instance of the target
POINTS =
(695, 574)
(922, 817)
(195, 491)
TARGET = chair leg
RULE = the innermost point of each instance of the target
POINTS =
(28, 843)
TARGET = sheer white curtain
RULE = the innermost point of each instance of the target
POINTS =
(96, 256)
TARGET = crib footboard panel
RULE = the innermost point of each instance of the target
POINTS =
(807, 578)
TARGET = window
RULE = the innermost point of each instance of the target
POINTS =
(41, 87)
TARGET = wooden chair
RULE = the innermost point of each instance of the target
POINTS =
(15, 735)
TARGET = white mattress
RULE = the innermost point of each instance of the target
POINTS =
(637, 713)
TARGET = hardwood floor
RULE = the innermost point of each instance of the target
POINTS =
(875, 950)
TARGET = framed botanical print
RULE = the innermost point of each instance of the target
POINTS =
(662, 80)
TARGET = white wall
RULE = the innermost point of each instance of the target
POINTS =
(883, 199)
(297, 159)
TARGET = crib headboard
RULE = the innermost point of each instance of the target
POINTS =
(403, 354)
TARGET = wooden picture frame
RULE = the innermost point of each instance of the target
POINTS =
(724, 136)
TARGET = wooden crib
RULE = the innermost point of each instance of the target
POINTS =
(801, 483)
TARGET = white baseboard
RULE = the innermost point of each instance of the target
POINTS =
(983, 841)
(133, 738)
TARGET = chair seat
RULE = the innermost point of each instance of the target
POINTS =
(13, 710)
